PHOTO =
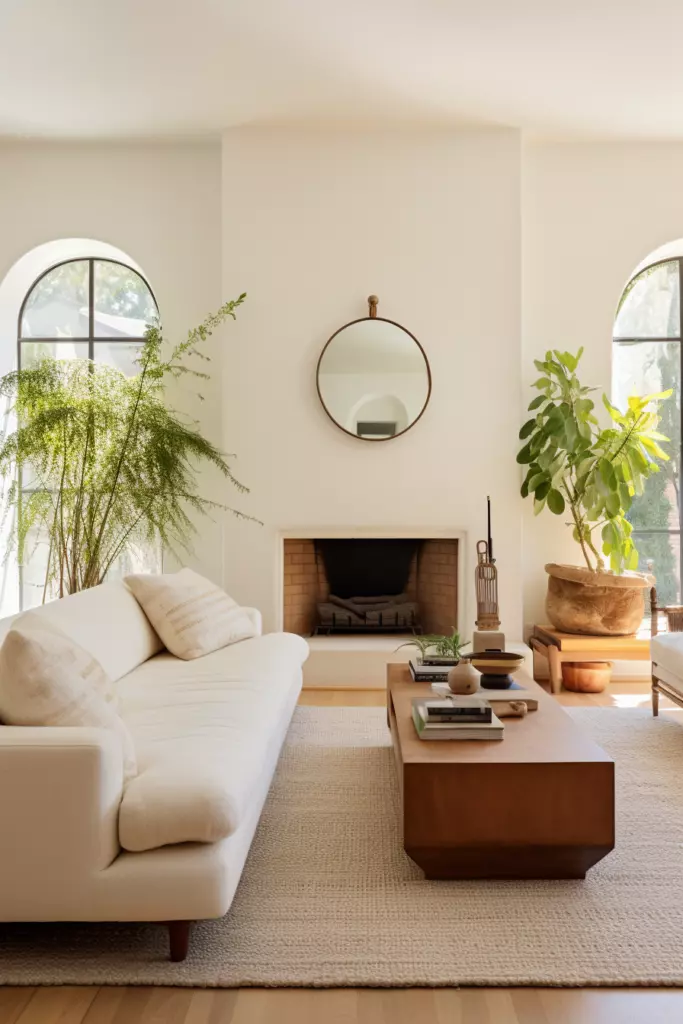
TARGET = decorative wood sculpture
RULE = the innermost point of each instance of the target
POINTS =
(486, 582)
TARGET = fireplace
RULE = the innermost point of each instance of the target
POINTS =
(370, 585)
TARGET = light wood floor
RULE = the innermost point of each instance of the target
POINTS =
(356, 1006)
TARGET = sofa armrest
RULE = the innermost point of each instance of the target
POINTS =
(255, 615)
(60, 790)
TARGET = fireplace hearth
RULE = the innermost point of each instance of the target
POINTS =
(370, 585)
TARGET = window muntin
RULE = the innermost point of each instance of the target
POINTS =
(103, 305)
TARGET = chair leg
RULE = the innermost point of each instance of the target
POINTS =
(179, 939)
(655, 697)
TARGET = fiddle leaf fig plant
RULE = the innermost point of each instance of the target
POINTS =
(576, 466)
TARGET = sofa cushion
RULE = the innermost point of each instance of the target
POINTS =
(202, 732)
(191, 614)
(47, 679)
(667, 651)
(106, 621)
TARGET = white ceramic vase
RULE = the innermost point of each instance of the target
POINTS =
(463, 678)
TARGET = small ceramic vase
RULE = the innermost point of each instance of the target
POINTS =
(463, 678)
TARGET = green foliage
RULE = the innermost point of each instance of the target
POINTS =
(572, 463)
(436, 645)
(657, 509)
(98, 463)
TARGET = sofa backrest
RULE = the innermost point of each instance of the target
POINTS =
(106, 621)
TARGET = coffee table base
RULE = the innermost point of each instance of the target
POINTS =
(540, 862)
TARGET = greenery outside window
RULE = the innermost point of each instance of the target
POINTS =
(94, 309)
(647, 359)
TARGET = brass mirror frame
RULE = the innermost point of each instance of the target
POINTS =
(372, 304)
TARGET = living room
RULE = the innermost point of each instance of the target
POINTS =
(495, 193)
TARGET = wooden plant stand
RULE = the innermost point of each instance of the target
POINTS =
(558, 647)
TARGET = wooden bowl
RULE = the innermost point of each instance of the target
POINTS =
(496, 663)
(586, 676)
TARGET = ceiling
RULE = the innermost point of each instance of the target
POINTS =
(156, 68)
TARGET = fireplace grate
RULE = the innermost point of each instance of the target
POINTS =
(394, 614)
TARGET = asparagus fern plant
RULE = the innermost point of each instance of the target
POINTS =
(574, 465)
(97, 463)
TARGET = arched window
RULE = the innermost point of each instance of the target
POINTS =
(646, 359)
(70, 298)
(86, 308)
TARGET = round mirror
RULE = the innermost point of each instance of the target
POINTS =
(373, 378)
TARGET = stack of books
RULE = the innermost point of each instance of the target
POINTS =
(457, 718)
(424, 672)
(512, 693)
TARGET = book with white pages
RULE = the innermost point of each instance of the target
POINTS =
(492, 730)
(513, 693)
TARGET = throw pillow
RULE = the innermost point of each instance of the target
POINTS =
(191, 614)
(47, 679)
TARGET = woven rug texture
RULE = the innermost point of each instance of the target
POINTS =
(329, 898)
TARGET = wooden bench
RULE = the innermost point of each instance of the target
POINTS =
(559, 647)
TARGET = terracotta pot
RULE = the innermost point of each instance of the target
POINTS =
(595, 603)
(463, 678)
(586, 676)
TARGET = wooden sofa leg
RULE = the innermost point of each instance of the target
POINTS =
(179, 939)
(655, 697)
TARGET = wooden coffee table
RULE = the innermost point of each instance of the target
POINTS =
(538, 804)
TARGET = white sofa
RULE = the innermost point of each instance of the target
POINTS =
(204, 730)
(666, 652)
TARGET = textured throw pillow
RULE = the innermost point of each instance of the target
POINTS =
(191, 614)
(47, 679)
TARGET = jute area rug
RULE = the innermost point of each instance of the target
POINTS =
(328, 897)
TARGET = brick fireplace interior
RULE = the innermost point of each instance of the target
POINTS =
(370, 586)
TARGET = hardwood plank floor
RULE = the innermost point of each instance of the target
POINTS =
(69, 1005)
(339, 1006)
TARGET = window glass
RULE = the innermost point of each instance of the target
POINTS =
(57, 314)
(120, 354)
(123, 303)
(646, 367)
(33, 351)
(57, 305)
(651, 304)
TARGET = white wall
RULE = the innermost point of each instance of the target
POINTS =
(311, 223)
(158, 203)
(591, 213)
(314, 222)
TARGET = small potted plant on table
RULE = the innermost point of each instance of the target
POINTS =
(446, 652)
(436, 649)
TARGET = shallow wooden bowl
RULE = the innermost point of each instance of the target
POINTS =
(496, 663)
